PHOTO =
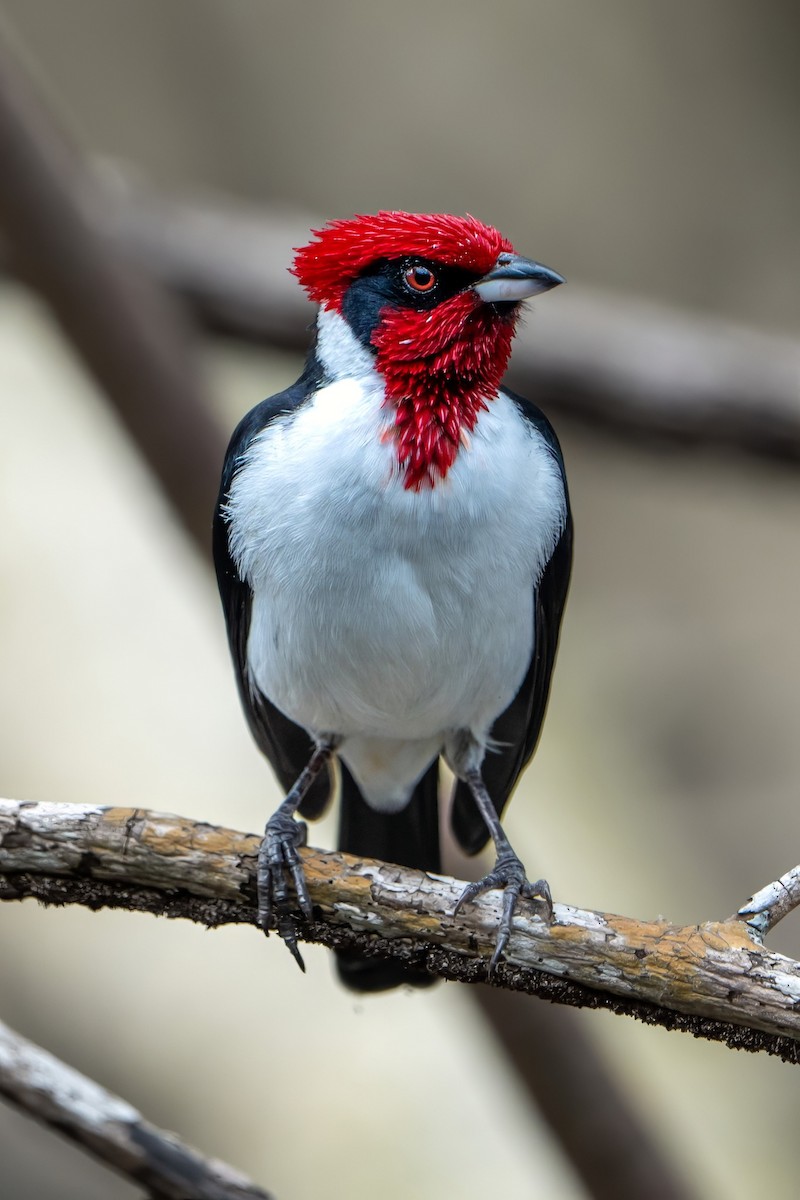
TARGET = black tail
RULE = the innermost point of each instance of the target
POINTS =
(409, 838)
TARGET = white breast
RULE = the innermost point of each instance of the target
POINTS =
(381, 614)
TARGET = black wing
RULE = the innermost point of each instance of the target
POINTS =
(518, 728)
(287, 745)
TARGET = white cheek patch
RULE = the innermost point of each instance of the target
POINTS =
(339, 350)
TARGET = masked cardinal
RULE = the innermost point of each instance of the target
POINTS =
(393, 545)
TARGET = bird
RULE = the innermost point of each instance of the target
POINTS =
(393, 546)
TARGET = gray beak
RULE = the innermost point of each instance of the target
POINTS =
(515, 278)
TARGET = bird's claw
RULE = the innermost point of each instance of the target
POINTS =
(278, 864)
(508, 874)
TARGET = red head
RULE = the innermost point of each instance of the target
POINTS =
(436, 298)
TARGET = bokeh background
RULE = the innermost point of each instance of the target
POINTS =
(643, 148)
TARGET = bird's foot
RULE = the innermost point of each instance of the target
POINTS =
(279, 865)
(508, 874)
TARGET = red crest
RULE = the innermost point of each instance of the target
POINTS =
(343, 248)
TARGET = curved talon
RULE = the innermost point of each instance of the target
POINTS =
(287, 931)
(469, 893)
(508, 874)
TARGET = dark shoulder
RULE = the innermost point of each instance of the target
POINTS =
(251, 425)
(260, 417)
(535, 417)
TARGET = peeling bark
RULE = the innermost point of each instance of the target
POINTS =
(712, 979)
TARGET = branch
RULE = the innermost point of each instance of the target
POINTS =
(128, 331)
(634, 365)
(609, 1145)
(111, 1129)
(772, 903)
(629, 364)
(713, 980)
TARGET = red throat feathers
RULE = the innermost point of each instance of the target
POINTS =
(441, 366)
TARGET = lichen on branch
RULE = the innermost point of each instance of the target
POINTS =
(713, 979)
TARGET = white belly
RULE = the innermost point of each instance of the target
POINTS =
(387, 616)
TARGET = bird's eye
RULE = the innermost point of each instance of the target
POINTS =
(419, 278)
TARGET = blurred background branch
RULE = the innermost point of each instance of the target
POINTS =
(130, 336)
(636, 368)
(561, 1068)
(111, 1129)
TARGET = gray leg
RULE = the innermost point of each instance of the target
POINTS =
(278, 860)
(508, 872)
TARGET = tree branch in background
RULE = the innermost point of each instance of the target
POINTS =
(580, 1101)
(712, 980)
(632, 365)
(111, 1129)
(126, 330)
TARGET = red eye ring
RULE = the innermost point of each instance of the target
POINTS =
(419, 278)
